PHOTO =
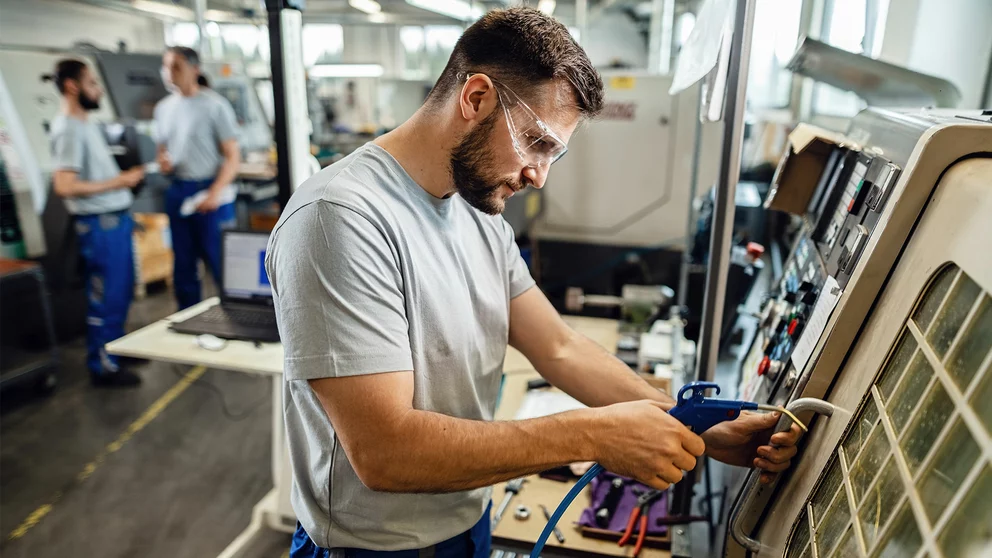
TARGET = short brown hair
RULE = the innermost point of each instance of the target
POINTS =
(522, 47)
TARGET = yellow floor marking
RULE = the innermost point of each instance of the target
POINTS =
(146, 417)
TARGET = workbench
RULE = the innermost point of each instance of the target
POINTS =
(157, 342)
(519, 536)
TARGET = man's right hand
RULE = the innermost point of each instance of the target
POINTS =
(642, 441)
(131, 177)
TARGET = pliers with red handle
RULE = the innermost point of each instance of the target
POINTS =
(644, 501)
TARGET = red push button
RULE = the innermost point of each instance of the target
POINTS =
(763, 367)
(793, 325)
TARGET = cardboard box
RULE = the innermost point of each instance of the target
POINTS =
(797, 173)
(155, 267)
(151, 234)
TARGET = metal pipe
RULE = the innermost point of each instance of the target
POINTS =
(737, 529)
(723, 210)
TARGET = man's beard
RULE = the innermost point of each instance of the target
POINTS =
(473, 170)
(88, 103)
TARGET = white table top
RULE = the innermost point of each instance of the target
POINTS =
(158, 342)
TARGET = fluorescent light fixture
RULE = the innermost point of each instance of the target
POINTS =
(367, 6)
(546, 6)
(167, 10)
(345, 70)
(457, 9)
(377, 18)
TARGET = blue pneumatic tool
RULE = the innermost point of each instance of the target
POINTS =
(693, 409)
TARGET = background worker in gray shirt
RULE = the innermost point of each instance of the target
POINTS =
(397, 288)
(196, 130)
(98, 195)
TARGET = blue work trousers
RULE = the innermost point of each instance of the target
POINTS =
(108, 252)
(195, 237)
(474, 543)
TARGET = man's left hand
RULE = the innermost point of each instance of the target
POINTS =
(748, 441)
(211, 203)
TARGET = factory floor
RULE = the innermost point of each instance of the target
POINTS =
(138, 472)
(148, 471)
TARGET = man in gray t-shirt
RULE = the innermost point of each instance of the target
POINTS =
(196, 131)
(397, 288)
(98, 195)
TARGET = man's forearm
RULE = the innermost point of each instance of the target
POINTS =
(78, 188)
(590, 374)
(228, 172)
(431, 452)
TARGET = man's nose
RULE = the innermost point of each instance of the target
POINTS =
(535, 176)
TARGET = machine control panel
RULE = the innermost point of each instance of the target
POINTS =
(850, 195)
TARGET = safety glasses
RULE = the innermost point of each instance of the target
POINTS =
(535, 143)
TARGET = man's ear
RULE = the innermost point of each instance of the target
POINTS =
(477, 98)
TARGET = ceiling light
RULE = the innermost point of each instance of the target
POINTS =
(377, 18)
(546, 6)
(345, 70)
(367, 6)
(457, 9)
(167, 10)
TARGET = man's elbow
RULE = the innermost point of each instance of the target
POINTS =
(376, 471)
(62, 190)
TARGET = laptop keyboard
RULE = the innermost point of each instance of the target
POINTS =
(254, 318)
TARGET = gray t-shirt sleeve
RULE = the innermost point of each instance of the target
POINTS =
(225, 121)
(520, 277)
(339, 299)
(67, 148)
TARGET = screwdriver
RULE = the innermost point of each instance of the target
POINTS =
(557, 531)
(512, 488)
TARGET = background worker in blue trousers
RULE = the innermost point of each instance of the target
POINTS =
(196, 130)
(98, 195)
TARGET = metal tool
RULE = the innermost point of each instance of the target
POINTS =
(522, 512)
(613, 496)
(692, 409)
(512, 489)
(557, 531)
(644, 501)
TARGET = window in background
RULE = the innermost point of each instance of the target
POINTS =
(182, 34)
(776, 34)
(322, 43)
(413, 41)
(851, 25)
(683, 27)
(243, 39)
(439, 41)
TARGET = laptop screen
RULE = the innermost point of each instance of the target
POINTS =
(244, 266)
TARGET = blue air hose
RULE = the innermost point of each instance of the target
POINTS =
(549, 528)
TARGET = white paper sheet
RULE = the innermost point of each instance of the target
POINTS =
(817, 323)
(701, 50)
(541, 403)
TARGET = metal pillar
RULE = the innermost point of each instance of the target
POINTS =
(723, 210)
(581, 19)
(203, 45)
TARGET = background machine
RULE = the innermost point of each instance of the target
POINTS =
(883, 309)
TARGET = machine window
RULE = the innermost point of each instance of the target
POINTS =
(912, 474)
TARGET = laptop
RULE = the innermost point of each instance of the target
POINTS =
(245, 311)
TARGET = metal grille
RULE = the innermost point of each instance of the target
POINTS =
(912, 475)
